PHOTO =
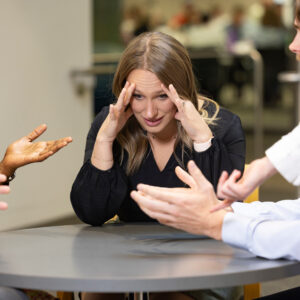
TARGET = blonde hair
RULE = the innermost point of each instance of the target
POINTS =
(164, 56)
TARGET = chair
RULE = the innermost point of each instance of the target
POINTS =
(252, 291)
(65, 295)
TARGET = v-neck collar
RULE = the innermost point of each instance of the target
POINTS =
(168, 164)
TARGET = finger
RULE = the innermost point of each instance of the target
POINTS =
(221, 182)
(171, 97)
(170, 195)
(230, 188)
(179, 102)
(228, 193)
(225, 203)
(234, 176)
(197, 175)
(185, 177)
(120, 102)
(3, 178)
(44, 156)
(128, 95)
(150, 206)
(112, 115)
(36, 132)
(3, 205)
(51, 149)
(4, 189)
(163, 218)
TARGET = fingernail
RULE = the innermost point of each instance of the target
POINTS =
(192, 164)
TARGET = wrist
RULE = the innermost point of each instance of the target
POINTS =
(265, 168)
(215, 228)
(102, 157)
(6, 169)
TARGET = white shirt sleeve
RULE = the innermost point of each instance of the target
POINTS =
(281, 210)
(285, 156)
(264, 237)
(270, 229)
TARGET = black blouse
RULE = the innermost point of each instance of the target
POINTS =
(98, 195)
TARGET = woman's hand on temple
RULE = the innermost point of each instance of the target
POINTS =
(119, 114)
(24, 151)
(190, 118)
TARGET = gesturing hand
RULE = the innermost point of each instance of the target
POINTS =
(24, 151)
(187, 114)
(183, 208)
(233, 188)
(118, 115)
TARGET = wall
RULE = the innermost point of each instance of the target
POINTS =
(41, 42)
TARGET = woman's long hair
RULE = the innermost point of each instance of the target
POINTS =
(298, 10)
(164, 56)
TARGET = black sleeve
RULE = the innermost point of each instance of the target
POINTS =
(228, 148)
(97, 195)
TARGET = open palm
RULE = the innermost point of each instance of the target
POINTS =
(24, 151)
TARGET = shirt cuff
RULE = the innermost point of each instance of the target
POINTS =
(201, 147)
(235, 230)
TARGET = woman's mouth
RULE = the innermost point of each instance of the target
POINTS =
(153, 123)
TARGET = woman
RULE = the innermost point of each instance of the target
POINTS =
(158, 122)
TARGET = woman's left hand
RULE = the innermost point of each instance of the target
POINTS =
(24, 151)
(190, 118)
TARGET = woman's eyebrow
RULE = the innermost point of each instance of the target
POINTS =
(155, 92)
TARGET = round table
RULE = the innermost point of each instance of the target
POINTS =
(128, 258)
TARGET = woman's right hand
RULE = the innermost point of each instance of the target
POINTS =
(118, 115)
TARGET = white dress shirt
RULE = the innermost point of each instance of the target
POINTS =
(269, 229)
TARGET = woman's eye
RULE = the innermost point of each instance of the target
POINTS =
(163, 96)
(137, 96)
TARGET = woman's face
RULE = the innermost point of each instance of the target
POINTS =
(150, 105)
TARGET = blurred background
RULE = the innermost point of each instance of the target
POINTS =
(58, 59)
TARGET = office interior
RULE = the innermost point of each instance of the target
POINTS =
(58, 60)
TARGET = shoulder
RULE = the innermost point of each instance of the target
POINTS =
(225, 121)
(99, 119)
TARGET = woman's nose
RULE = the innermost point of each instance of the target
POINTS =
(151, 109)
(295, 44)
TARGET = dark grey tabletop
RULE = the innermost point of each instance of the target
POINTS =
(123, 258)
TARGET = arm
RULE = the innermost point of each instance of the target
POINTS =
(281, 210)
(283, 156)
(227, 150)
(267, 238)
(101, 185)
(96, 194)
